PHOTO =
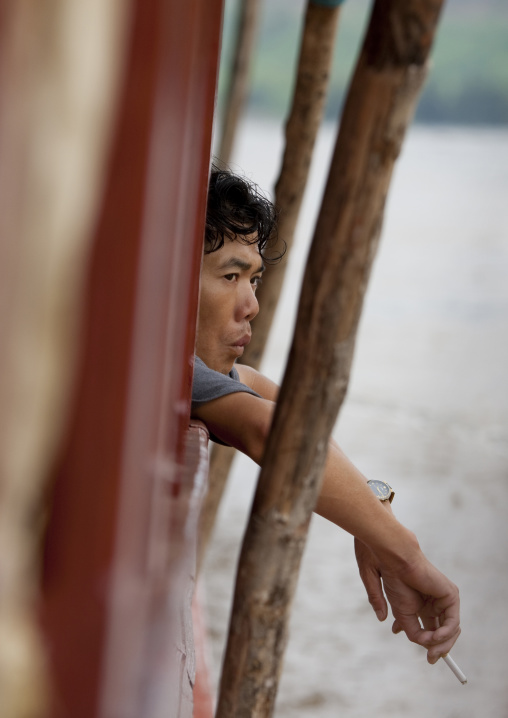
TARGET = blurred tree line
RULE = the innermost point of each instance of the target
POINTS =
(468, 82)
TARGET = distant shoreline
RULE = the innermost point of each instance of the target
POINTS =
(254, 116)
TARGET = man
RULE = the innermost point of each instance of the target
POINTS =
(237, 403)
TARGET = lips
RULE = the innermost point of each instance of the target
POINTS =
(243, 341)
(240, 344)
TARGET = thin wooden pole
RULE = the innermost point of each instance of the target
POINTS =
(314, 65)
(380, 103)
(238, 86)
(313, 75)
(221, 459)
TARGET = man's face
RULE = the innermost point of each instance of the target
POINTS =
(227, 303)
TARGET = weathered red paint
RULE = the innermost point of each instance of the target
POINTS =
(112, 538)
(203, 691)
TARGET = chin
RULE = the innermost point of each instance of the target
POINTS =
(229, 363)
(222, 365)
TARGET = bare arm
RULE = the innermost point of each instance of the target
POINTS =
(267, 388)
(240, 420)
(243, 421)
(385, 548)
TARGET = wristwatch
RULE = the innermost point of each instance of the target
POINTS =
(383, 491)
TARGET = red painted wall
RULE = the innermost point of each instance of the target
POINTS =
(112, 583)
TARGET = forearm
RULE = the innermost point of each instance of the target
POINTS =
(347, 501)
(243, 421)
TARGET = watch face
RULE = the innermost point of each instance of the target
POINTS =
(381, 489)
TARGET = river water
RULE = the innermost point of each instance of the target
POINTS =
(427, 411)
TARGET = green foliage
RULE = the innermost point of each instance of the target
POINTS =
(468, 82)
(469, 77)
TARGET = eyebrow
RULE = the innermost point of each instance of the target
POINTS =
(237, 263)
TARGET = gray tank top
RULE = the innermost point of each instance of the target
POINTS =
(208, 385)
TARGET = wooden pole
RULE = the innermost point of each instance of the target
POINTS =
(238, 86)
(380, 103)
(221, 458)
(314, 65)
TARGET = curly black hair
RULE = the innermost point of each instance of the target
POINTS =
(237, 209)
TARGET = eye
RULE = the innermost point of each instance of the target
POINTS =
(230, 277)
(256, 281)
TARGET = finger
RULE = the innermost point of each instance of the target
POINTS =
(396, 627)
(447, 632)
(448, 612)
(436, 652)
(411, 626)
(373, 586)
(371, 579)
(423, 637)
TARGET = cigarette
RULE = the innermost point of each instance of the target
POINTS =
(454, 668)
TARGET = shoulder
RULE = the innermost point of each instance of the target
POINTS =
(259, 383)
(235, 415)
(208, 385)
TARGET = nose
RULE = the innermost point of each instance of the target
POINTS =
(248, 306)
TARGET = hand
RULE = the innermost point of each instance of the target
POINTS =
(422, 593)
(416, 592)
